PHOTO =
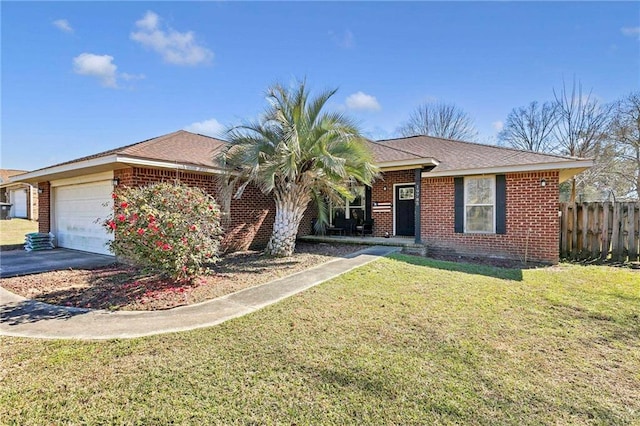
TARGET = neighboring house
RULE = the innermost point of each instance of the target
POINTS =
(454, 196)
(22, 196)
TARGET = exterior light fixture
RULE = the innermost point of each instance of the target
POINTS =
(384, 188)
(40, 190)
(543, 182)
(115, 181)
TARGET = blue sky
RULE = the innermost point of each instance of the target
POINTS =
(83, 77)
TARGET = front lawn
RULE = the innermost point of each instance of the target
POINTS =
(404, 340)
(13, 231)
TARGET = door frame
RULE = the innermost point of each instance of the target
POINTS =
(395, 202)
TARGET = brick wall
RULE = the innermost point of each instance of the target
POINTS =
(383, 221)
(44, 216)
(532, 219)
(252, 215)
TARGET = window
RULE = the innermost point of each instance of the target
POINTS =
(406, 193)
(479, 204)
(350, 209)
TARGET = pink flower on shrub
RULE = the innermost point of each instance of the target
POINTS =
(166, 247)
(112, 224)
(124, 205)
(192, 227)
(122, 217)
(140, 231)
(114, 195)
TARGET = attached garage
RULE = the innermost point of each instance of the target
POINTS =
(18, 198)
(78, 209)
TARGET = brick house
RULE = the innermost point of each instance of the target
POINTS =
(456, 196)
(468, 198)
(22, 196)
(74, 194)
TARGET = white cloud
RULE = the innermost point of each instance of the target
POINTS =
(130, 77)
(631, 31)
(175, 47)
(361, 100)
(344, 40)
(211, 127)
(99, 66)
(497, 125)
(63, 25)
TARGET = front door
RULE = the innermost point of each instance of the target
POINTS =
(405, 210)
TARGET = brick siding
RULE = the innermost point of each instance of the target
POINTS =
(252, 215)
(383, 221)
(44, 215)
(533, 225)
(532, 213)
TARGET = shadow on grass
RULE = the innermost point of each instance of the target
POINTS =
(514, 274)
(30, 311)
(634, 265)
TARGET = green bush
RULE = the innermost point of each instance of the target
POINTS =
(170, 228)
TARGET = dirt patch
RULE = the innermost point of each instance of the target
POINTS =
(122, 287)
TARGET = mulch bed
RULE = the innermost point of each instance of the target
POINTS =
(122, 287)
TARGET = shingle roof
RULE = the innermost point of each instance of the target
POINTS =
(458, 155)
(5, 174)
(178, 147)
(188, 148)
(383, 153)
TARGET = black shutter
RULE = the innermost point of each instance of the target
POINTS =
(501, 204)
(458, 206)
(367, 203)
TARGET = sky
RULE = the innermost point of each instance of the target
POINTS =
(83, 77)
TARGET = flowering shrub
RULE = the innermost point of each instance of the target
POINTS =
(171, 228)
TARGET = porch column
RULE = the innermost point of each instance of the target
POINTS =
(416, 200)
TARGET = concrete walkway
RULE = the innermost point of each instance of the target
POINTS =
(27, 318)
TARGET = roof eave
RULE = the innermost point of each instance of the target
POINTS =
(414, 163)
(100, 164)
(67, 170)
(568, 169)
(147, 162)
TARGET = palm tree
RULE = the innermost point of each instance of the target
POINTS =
(299, 153)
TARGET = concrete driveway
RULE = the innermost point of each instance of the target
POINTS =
(20, 262)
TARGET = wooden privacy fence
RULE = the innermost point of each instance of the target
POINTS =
(600, 230)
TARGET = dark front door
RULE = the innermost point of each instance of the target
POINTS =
(405, 210)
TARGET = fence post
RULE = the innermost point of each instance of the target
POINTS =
(606, 210)
(633, 229)
(564, 234)
(595, 232)
(574, 232)
(615, 234)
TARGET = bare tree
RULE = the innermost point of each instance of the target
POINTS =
(531, 127)
(440, 119)
(625, 134)
(582, 124)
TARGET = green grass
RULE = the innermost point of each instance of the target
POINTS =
(13, 231)
(404, 340)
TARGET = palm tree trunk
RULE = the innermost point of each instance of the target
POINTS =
(290, 207)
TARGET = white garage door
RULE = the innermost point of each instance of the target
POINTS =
(18, 198)
(78, 212)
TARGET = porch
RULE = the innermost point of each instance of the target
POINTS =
(408, 244)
